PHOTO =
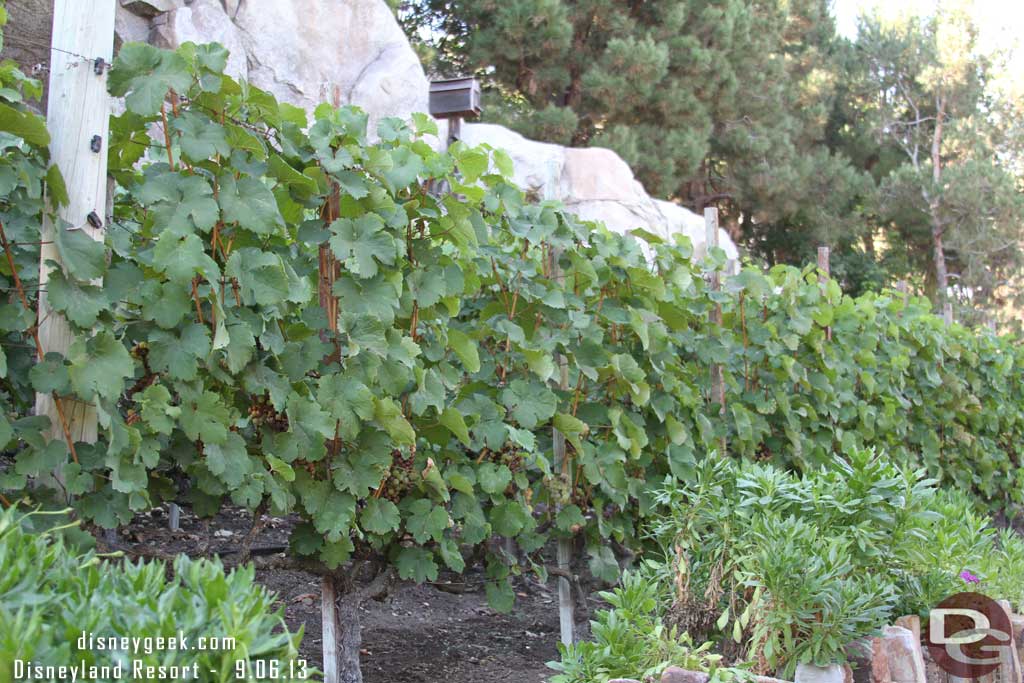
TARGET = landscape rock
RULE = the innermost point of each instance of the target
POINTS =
(903, 652)
(1011, 668)
(879, 662)
(302, 51)
(130, 27)
(599, 174)
(151, 8)
(933, 672)
(623, 680)
(833, 673)
(1017, 624)
(912, 623)
(595, 184)
(202, 21)
(538, 165)
(674, 674)
(352, 52)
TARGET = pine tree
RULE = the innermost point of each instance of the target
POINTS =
(718, 102)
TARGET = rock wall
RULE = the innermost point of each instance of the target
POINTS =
(354, 52)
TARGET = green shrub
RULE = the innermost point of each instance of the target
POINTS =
(51, 593)
(630, 638)
(781, 568)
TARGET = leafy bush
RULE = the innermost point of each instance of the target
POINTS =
(293, 316)
(782, 568)
(630, 639)
(51, 593)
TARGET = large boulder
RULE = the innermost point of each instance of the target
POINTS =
(308, 51)
(596, 184)
(538, 165)
(303, 51)
(201, 21)
(354, 52)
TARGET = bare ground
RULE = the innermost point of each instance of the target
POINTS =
(443, 632)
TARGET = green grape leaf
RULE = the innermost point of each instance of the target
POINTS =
(362, 243)
(50, 375)
(228, 460)
(389, 415)
(416, 564)
(200, 138)
(530, 403)
(156, 410)
(380, 516)
(426, 521)
(145, 74)
(249, 203)
(205, 417)
(24, 124)
(453, 420)
(83, 257)
(493, 478)
(183, 258)
(465, 349)
(180, 204)
(99, 366)
(178, 354)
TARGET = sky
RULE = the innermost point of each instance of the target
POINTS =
(1001, 23)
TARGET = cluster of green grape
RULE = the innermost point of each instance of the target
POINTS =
(262, 412)
(511, 458)
(401, 477)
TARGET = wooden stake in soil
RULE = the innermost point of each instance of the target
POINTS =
(715, 283)
(78, 109)
(823, 275)
(566, 606)
(329, 635)
(174, 517)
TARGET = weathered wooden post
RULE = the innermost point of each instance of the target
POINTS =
(904, 289)
(824, 270)
(566, 607)
(715, 284)
(78, 110)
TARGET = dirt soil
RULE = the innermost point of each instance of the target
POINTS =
(417, 634)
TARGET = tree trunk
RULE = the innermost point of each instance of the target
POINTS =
(934, 208)
(342, 634)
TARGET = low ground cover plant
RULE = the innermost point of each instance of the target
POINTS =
(61, 606)
(778, 568)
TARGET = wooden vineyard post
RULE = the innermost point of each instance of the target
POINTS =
(715, 283)
(329, 628)
(903, 288)
(562, 466)
(78, 112)
(824, 271)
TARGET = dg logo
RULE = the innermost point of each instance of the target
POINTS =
(969, 635)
